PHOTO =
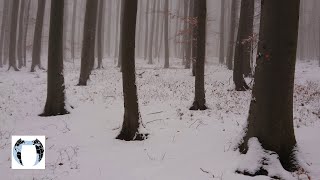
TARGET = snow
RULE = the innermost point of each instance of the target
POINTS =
(182, 144)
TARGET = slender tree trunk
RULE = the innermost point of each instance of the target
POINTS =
(146, 31)
(55, 104)
(271, 109)
(189, 35)
(36, 52)
(117, 24)
(5, 12)
(108, 42)
(166, 34)
(243, 47)
(13, 35)
(131, 120)
(73, 31)
(20, 35)
(199, 100)
(26, 35)
(232, 34)
(156, 40)
(194, 38)
(221, 54)
(150, 56)
(100, 33)
(88, 45)
(65, 30)
(8, 32)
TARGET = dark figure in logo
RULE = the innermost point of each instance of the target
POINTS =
(18, 147)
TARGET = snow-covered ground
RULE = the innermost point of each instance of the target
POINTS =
(182, 145)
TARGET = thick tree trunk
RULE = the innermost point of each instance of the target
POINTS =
(36, 52)
(73, 31)
(166, 34)
(231, 34)
(21, 34)
(271, 109)
(26, 35)
(4, 24)
(55, 104)
(199, 100)
(243, 47)
(88, 45)
(150, 55)
(221, 46)
(13, 35)
(100, 33)
(131, 120)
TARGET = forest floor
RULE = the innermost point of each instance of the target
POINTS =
(182, 145)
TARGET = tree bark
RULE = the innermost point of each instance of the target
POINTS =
(243, 46)
(55, 104)
(13, 35)
(194, 38)
(199, 100)
(21, 34)
(5, 12)
(131, 120)
(221, 46)
(36, 52)
(117, 22)
(146, 31)
(166, 34)
(150, 55)
(108, 43)
(231, 34)
(73, 33)
(88, 45)
(271, 108)
(100, 33)
(26, 35)
(189, 35)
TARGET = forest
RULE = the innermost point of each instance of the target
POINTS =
(160, 89)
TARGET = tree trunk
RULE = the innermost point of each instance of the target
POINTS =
(150, 55)
(271, 109)
(131, 120)
(5, 12)
(36, 52)
(189, 35)
(199, 100)
(108, 43)
(243, 46)
(87, 54)
(74, 17)
(221, 54)
(194, 38)
(156, 36)
(20, 35)
(65, 31)
(166, 34)
(13, 35)
(231, 34)
(146, 31)
(117, 22)
(55, 104)
(26, 35)
(100, 33)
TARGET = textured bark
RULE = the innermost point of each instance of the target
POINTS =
(100, 33)
(271, 109)
(26, 34)
(4, 24)
(199, 100)
(146, 31)
(88, 45)
(151, 44)
(55, 104)
(21, 34)
(232, 30)
(243, 47)
(131, 119)
(13, 35)
(73, 31)
(36, 51)
(221, 46)
(166, 34)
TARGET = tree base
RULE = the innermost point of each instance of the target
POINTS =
(242, 86)
(196, 106)
(132, 137)
(51, 113)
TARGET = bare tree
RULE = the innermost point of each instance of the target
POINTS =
(243, 45)
(146, 30)
(199, 100)
(100, 33)
(221, 46)
(131, 120)
(87, 53)
(166, 34)
(150, 55)
(271, 109)
(55, 104)
(5, 12)
(73, 34)
(232, 30)
(20, 35)
(13, 35)
(36, 52)
(26, 34)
